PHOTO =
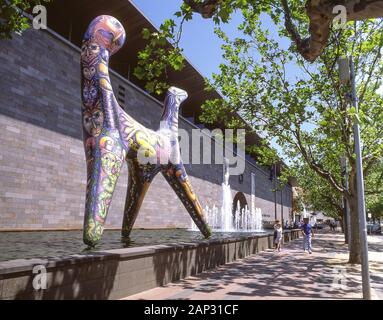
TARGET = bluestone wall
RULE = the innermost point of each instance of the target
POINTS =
(42, 163)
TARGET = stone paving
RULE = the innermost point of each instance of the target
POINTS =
(289, 274)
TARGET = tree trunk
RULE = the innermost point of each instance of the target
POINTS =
(342, 226)
(345, 218)
(355, 254)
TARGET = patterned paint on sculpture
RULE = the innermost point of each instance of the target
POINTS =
(111, 137)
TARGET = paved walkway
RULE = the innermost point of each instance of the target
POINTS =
(290, 274)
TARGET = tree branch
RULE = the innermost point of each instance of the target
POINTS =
(319, 27)
(333, 202)
(315, 166)
(320, 14)
(206, 8)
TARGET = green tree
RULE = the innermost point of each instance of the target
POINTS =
(375, 207)
(374, 192)
(158, 55)
(317, 193)
(308, 23)
(302, 107)
(311, 38)
(12, 19)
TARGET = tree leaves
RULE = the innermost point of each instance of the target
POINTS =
(157, 56)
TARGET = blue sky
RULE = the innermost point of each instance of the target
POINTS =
(201, 46)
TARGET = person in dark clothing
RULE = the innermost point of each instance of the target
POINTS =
(308, 233)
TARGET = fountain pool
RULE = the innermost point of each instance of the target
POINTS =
(54, 244)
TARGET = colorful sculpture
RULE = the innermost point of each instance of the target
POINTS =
(111, 137)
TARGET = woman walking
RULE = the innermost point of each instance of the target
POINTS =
(278, 231)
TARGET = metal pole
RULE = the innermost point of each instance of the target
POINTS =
(275, 191)
(345, 222)
(346, 211)
(347, 208)
(282, 206)
(345, 218)
(361, 200)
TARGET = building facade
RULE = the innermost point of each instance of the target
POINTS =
(42, 162)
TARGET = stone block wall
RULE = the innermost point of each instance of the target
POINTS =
(42, 163)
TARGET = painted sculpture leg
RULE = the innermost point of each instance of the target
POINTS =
(104, 166)
(137, 186)
(178, 180)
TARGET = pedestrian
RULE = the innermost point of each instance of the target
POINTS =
(308, 234)
(275, 232)
(278, 237)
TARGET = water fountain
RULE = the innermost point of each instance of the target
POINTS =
(224, 220)
(248, 220)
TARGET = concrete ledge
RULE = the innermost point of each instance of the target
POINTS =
(115, 274)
